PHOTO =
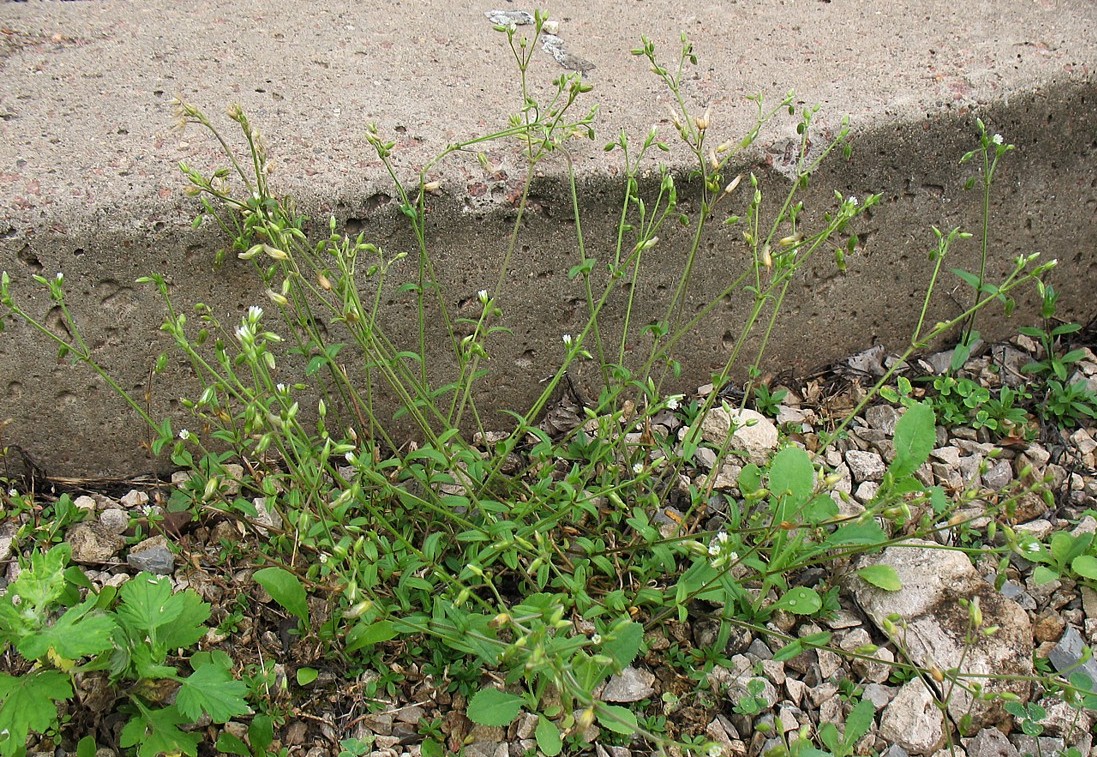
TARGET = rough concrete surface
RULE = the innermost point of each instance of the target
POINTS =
(89, 185)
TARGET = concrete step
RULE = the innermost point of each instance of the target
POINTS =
(90, 186)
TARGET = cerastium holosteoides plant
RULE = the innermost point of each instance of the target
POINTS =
(543, 556)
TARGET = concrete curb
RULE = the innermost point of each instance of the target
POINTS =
(89, 187)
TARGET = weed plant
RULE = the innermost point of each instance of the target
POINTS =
(545, 557)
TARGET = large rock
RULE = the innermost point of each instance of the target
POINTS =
(933, 627)
(751, 432)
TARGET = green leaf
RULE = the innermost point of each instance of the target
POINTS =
(859, 721)
(368, 634)
(82, 631)
(1085, 566)
(27, 705)
(548, 737)
(799, 600)
(431, 748)
(86, 747)
(286, 589)
(859, 532)
(211, 689)
(617, 719)
(791, 473)
(229, 744)
(157, 732)
(915, 435)
(172, 621)
(881, 576)
(493, 707)
(261, 733)
(1044, 575)
(305, 676)
(624, 644)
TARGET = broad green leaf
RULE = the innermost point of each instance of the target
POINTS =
(617, 719)
(492, 707)
(86, 747)
(368, 634)
(211, 689)
(624, 644)
(145, 603)
(156, 732)
(172, 621)
(229, 744)
(791, 473)
(431, 748)
(750, 478)
(548, 737)
(915, 435)
(305, 676)
(81, 632)
(1085, 566)
(1043, 575)
(859, 532)
(27, 705)
(799, 600)
(286, 589)
(881, 576)
(261, 733)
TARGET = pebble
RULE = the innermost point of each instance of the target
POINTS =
(152, 555)
(865, 466)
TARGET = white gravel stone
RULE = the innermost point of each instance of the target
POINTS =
(754, 434)
(913, 721)
(865, 466)
(630, 685)
(135, 498)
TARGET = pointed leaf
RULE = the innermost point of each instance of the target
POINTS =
(617, 719)
(492, 707)
(881, 576)
(27, 705)
(548, 737)
(915, 435)
(286, 589)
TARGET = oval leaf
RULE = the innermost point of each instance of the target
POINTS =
(286, 589)
(548, 737)
(492, 707)
(881, 576)
(915, 435)
(1085, 566)
(799, 601)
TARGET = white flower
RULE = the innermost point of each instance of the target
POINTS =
(714, 549)
(722, 537)
(255, 313)
(243, 333)
(184, 434)
(13, 493)
(674, 401)
(596, 639)
(567, 340)
(996, 139)
(852, 200)
(637, 468)
(281, 388)
(60, 276)
(482, 295)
